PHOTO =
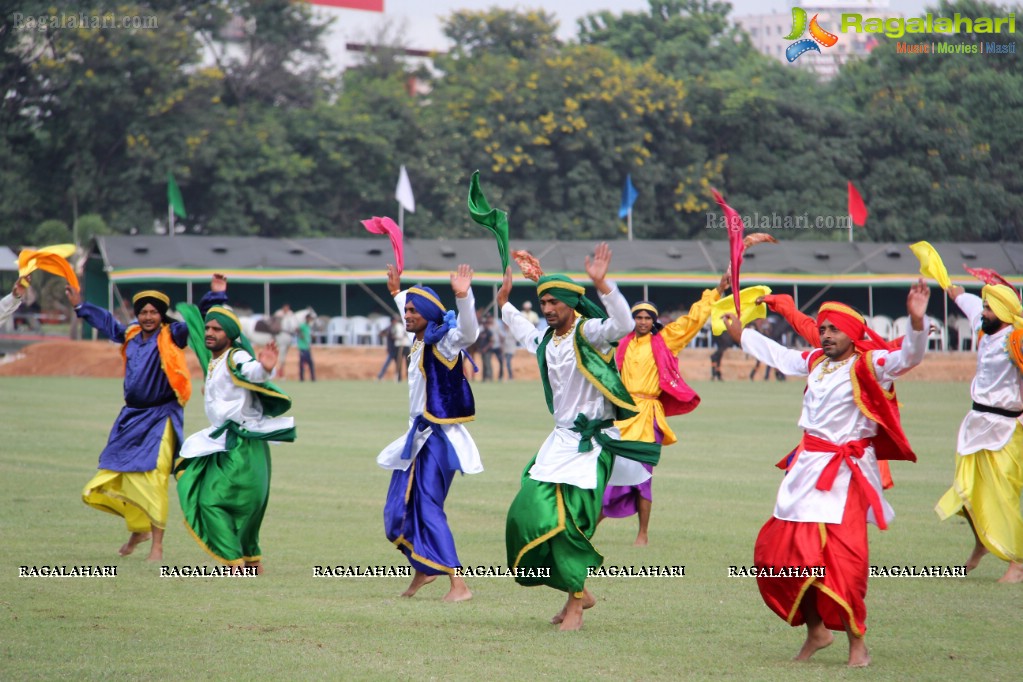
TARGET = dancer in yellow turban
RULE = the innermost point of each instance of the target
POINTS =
(989, 454)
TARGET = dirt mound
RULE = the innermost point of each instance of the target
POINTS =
(103, 359)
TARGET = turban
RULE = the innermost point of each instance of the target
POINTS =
(227, 319)
(645, 306)
(569, 293)
(852, 324)
(1004, 303)
(438, 318)
(157, 299)
(651, 309)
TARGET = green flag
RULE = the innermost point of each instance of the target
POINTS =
(174, 199)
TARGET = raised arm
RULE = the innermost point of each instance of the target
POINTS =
(465, 302)
(787, 361)
(914, 344)
(100, 318)
(522, 329)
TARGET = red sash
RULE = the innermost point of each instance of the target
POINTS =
(846, 452)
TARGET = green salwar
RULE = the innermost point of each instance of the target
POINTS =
(549, 527)
(223, 498)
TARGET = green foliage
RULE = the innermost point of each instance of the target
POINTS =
(231, 96)
(51, 232)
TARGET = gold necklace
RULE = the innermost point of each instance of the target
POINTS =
(416, 345)
(558, 338)
(828, 367)
(214, 362)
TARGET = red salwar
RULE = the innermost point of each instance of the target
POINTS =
(841, 549)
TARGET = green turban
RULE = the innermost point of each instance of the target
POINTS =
(571, 294)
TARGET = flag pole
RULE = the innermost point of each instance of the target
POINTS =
(401, 217)
(850, 228)
(170, 219)
(630, 224)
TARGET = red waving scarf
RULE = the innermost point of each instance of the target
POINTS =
(735, 244)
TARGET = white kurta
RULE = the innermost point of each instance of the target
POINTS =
(997, 383)
(559, 459)
(225, 401)
(8, 304)
(831, 413)
(458, 338)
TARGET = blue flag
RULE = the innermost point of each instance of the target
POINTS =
(629, 195)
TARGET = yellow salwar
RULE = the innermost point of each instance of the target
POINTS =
(987, 486)
(140, 497)
(639, 373)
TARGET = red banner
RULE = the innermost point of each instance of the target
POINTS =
(368, 5)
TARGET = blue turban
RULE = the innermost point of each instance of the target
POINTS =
(438, 318)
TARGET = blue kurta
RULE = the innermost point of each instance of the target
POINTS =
(149, 400)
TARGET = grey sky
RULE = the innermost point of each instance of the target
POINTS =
(421, 23)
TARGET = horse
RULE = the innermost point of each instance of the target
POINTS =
(281, 328)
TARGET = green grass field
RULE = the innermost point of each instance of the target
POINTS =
(712, 492)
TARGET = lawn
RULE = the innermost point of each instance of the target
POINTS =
(712, 492)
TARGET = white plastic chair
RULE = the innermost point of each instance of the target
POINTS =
(379, 326)
(882, 324)
(965, 333)
(338, 330)
(361, 331)
(938, 336)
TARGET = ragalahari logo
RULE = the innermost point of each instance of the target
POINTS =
(817, 35)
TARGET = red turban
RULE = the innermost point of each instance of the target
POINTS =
(852, 324)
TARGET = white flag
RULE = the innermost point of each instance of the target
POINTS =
(403, 192)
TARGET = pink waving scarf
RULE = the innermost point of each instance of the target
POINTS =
(387, 226)
(735, 243)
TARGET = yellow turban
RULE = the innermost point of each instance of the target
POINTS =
(1004, 303)
(747, 303)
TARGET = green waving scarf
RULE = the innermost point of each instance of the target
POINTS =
(493, 219)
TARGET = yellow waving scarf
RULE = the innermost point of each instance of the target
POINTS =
(747, 302)
(51, 259)
(930, 264)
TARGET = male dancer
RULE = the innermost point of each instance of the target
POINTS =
(553, 517)
(647, 360)
(989, 455)
(424, 460)
(832, 487)
(135, 465)
(223, 472)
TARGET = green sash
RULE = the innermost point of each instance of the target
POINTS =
(599, 369)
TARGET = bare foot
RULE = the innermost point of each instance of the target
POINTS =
(641, 540)
(1013, 575)
(258, 565)
(459, 590)
(817, 638)
(858, 656)
(133, 541)
(979, 550)
(418, 580)
(588, 600)
(155, 554)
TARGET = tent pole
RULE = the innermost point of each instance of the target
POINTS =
(344, 300)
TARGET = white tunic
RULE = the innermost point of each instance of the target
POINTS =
(559, 459)
(225, 401)
(458, 338)
(8, 304)
(830, 412)
(997, 383)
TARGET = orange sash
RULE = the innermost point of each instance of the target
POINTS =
(172, 360)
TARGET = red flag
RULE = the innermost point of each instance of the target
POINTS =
(387, 226)
(735, 243)
(857, 209)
